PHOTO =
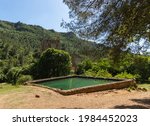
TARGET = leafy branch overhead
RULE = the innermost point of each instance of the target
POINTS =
(118, 22)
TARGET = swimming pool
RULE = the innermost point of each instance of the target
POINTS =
(74, 82)
(69, 85)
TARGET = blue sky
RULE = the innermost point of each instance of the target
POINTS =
(46, 13)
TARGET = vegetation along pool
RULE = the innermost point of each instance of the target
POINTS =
(71, 83)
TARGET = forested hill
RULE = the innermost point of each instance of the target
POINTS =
(21, 45)
(21, 39)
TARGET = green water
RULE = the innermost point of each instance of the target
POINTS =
(71, 83)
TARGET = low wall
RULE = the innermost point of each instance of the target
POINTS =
(119, 84)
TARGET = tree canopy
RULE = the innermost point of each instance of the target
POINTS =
(53, 63)
(120, 22)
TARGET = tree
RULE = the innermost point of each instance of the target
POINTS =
(13, 74)
(119, 21)
(140, 66)
(53, 63)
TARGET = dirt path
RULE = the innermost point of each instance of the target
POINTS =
(50, 99)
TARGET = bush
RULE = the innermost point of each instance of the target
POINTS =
(13, 74)
(53, 63)
(84, 66)
(103, 73)
(87, 64)
(104, 64)
(90, 73)
(72, 72)
(140, 66)
(101, 64)
(22, 79)
(126, 75)
(26, 70)
(80, 69)
(2, 76)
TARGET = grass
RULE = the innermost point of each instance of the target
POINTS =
(8, 88)
(146, 86)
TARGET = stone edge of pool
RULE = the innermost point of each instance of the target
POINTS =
(119, 84)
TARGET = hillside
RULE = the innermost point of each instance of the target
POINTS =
(30, 37)
(22, 44)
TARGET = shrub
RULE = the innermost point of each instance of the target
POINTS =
(104, 64)
(140, 66)
(2, 77)
(53, 63)
(87, 64)
(80, 69)
(126, 75)
(103, 73)
(22, 79)
(101, 64)
(95, 67)
(72, 72)
(90, 73)
(26, 70)
(13, 74)
(84, 66)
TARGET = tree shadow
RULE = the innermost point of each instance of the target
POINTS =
(144, 104)
(130, 107)
(145, 101)
(70, 108)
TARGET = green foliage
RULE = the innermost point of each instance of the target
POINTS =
(53, 63)
(146, 86)
(84, 66)
(90, 72)
(118, 20)
(98, 69)
(80, 69)
(105, 64)
(6, 88)
(72, 72)
(24, 78)
(28, 69)
(17, 38)
(131, 66)
(13, 74)
(126, 75)
(87, 64)
(2, 76)
(131, 88)
(20, 47)
(140, 66)
(103, 73)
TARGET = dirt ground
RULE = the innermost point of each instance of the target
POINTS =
(36, 97)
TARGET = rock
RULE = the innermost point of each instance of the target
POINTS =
(37, 96)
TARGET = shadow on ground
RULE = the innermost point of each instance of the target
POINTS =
(145, 101)
(130, 107)
(145, 104)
